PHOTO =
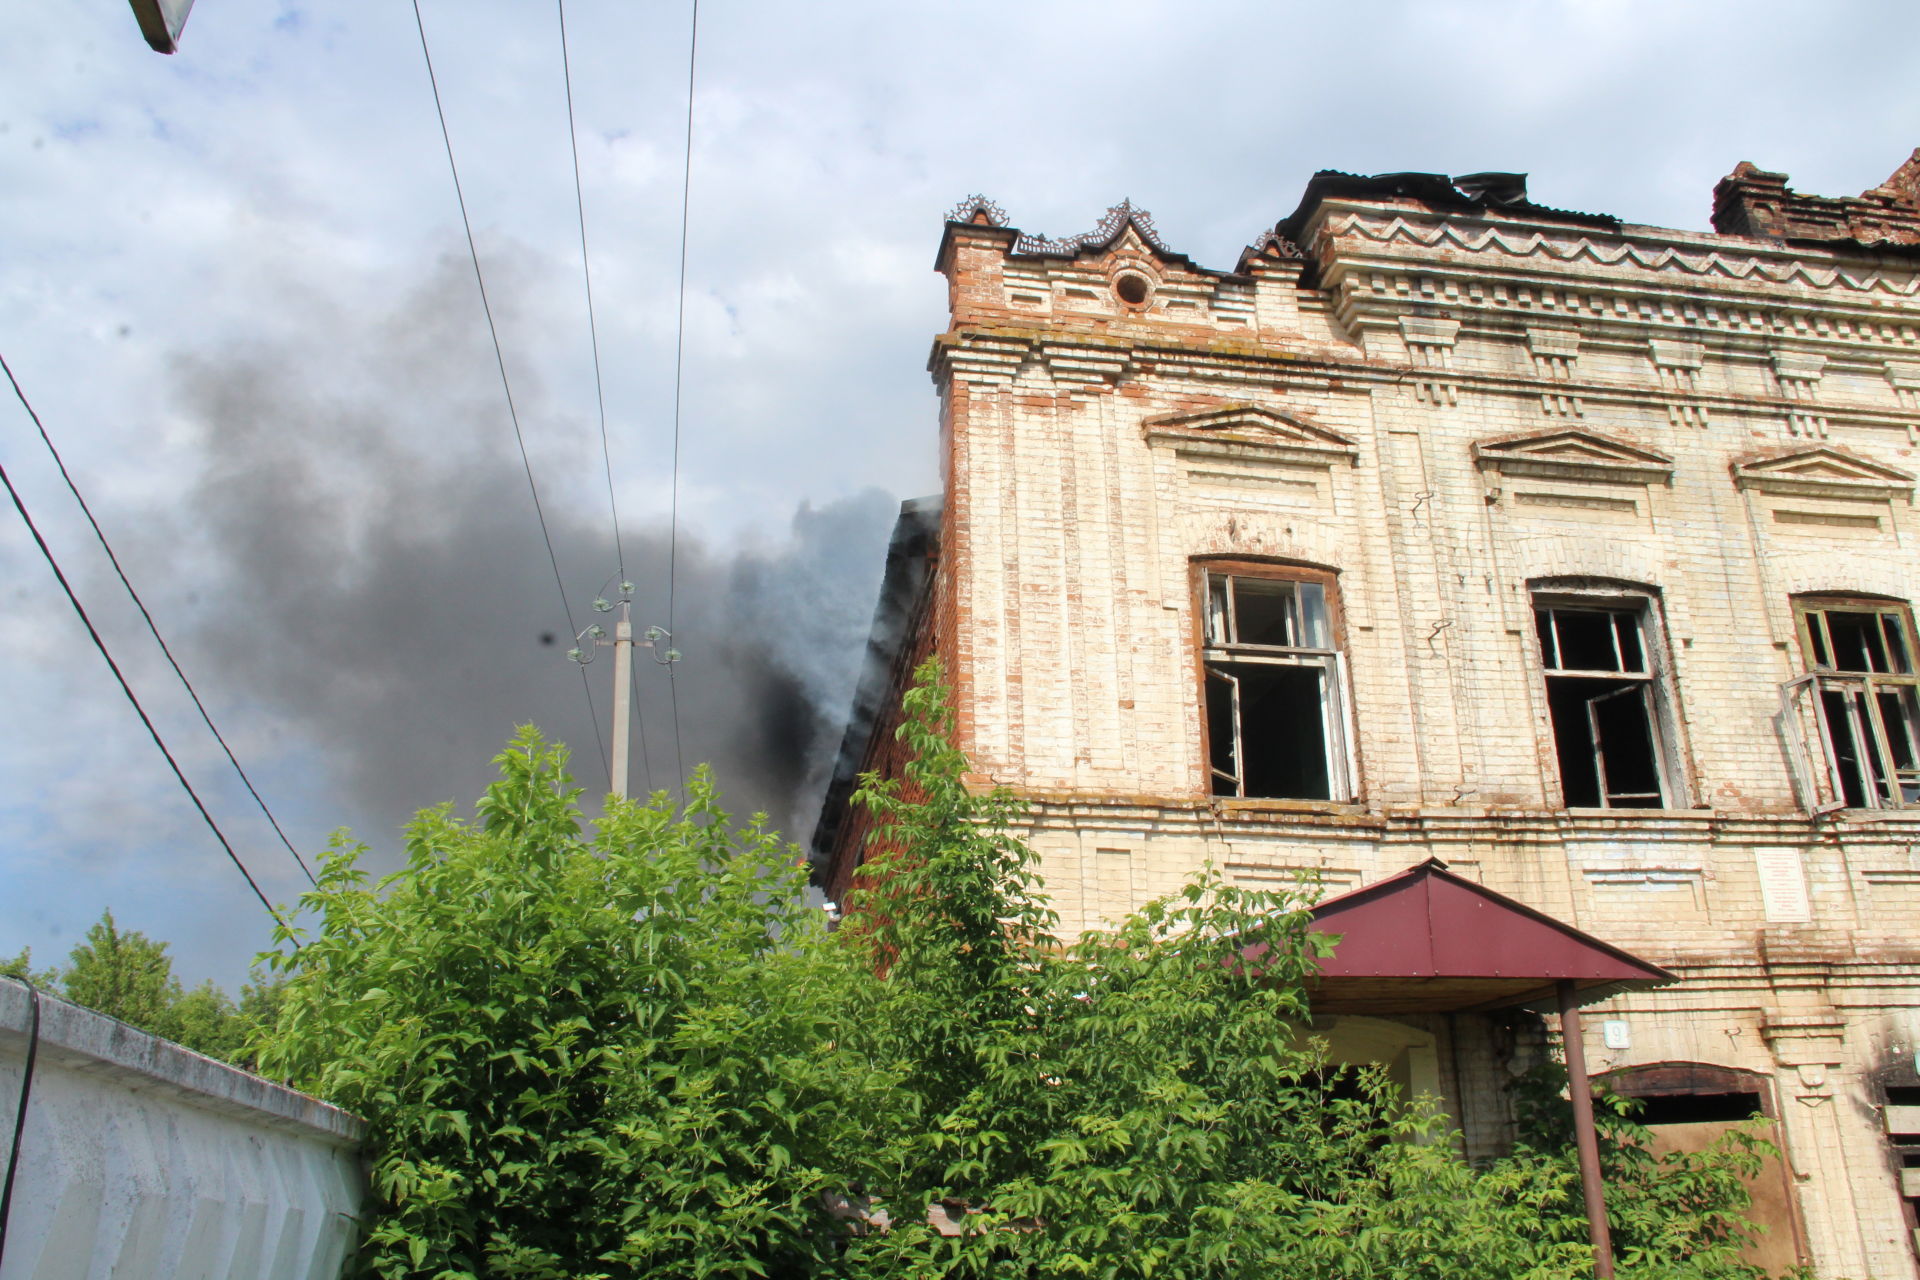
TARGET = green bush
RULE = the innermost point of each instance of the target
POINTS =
(581, 1057)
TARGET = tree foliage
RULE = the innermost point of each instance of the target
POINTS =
(127, 975)
(633, 1052)
(604, 1056)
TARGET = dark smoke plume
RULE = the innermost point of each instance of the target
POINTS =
(387, 596)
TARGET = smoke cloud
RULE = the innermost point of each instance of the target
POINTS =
(388, 599)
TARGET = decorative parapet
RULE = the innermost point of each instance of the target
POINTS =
(1110, 228)
(1753, 202)
(1669, 252)
(978, 211)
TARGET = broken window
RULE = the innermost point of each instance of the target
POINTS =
(1687, 1107)
(1901, 1116)
(1603, 692)
(1865, 699)
(1275, 725)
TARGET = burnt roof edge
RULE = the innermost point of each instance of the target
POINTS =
(1438, 192)
(903, 586)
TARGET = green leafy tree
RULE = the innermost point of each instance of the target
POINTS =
(123, 974)
(605, 1056)
(21, 966)
(205, 1020)
(127, 975)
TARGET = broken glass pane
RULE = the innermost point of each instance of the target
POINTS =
(1265, 612)
(1899, 654)
(1626, 635)
(1314, 631)
(1283, 747)
(1223, 732)
(1857, 641)
(1219, 615)
(1603, 736)
(1549, 650)
(1585, 640)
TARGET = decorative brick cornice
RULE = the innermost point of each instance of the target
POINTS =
(995, 355)
(1743, 264)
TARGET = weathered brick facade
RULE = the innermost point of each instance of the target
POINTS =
(1458, 407)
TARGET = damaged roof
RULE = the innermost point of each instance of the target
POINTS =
(1468, 193)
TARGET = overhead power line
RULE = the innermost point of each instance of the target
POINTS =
(506, 383)
(141, 605)
(679, 372)
(586, 270)
(94, 634)
(599, 387)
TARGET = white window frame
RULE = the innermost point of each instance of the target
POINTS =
(1655, 683)
(1336, 716)
(1804, 711)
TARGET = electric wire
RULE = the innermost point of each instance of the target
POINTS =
(679, 372)
(599, 387)
(147, 617)
(586, 272)
(506, 384)
(154, 733)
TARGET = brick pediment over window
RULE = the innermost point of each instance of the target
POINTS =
(1825, 472)
(1252, 429)
(1573, 455)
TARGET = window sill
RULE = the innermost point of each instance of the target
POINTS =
(1234, 804)
(1700, 812)
(1909, 814)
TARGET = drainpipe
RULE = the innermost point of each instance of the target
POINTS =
(1581, 1093)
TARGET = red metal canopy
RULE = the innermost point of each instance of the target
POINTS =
(1427, 941)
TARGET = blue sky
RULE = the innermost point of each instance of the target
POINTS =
(233, 282)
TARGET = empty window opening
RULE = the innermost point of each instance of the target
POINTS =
(1274, 724)
(1866, 698)
(1697, 1108)
(1601, 693)
(1687, 1107)
(1901, 1116)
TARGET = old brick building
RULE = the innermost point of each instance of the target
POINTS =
(1578, 554)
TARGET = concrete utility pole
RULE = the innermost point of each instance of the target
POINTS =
(620, 767)
(622, 696)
